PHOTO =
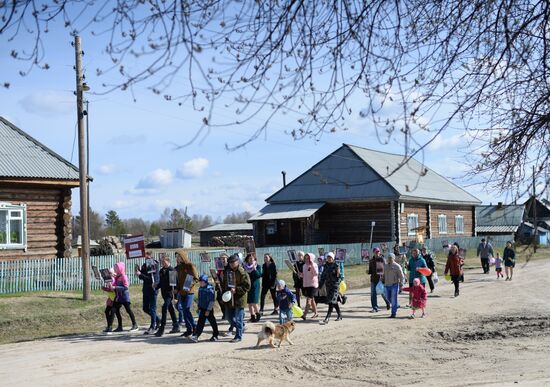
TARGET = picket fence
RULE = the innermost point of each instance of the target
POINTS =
(63, 274)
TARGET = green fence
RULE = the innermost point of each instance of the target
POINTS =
(60, 274)
(66, 273)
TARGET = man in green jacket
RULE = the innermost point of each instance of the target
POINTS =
(236, 281)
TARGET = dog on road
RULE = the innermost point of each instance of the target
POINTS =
(270, 332)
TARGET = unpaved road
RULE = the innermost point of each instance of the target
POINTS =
(496, 332)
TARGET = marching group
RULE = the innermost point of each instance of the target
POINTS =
(245, 283)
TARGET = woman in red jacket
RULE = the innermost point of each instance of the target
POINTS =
(454, 267)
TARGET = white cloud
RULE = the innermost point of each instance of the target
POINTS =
(193, 168)
(442, 141)
(159, 177)
(49, 103)
(107, 169)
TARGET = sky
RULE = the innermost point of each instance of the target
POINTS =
(135, 166)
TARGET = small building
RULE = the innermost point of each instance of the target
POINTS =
(499, 220)
(220, 230)
(527, 230)
(338, 200)
(175, 237)
(35, 197)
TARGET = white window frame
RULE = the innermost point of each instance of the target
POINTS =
(10, 209)
(440, 218)
(459, 230)
(411, 231)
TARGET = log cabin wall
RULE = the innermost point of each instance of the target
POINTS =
(48, 222)
(452, 211)
(351, 222)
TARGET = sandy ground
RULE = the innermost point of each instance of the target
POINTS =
(496, 332)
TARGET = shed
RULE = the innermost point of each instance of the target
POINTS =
(175, 237)
(337, 199)
(499, 219)
(219, 230)
(526, 233)
(35, 197)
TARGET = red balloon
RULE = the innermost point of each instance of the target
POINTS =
(424, 270)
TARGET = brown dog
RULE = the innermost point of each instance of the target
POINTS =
(271, 331)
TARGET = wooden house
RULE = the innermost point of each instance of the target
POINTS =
(338, 199)
(35, 197)
(500, 219)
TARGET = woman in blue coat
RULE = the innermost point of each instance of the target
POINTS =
(253, 299)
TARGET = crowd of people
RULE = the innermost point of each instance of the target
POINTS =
(244, 283)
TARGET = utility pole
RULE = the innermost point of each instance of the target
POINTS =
(82, 166)
(535, 225)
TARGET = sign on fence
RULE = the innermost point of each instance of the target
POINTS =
(135, 247)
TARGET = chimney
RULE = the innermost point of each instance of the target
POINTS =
(499, 205)
(284, 178)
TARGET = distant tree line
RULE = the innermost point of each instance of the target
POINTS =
(112, 224)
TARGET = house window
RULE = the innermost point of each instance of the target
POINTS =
(412, 224)
(12, 226)
(459, 224)
(442, 221)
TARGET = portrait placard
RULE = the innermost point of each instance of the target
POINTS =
(97, 274)
(173, 277)
(292, 255)
(365, 255)
(106, 275)
(340, 255)
(205, 257)
(188, 282)
(219, 263)
(230, 279)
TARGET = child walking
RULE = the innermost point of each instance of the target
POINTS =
(419, 297)
(285, 298)
(109, 304)
(498, 266)
(205, 304)
(122, 298)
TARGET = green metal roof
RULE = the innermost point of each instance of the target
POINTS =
(22, 156)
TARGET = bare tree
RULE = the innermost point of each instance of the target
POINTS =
(421, 67)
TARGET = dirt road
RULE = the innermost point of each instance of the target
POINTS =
(496, 332)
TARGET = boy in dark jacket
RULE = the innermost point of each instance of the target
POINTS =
(149, 274)
(167, 292)
(206, 309)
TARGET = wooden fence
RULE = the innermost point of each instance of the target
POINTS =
(66, 273)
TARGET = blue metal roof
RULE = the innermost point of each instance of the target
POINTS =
(21, 156)
(352, 173)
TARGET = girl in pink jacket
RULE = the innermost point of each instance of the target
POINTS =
(310, 277)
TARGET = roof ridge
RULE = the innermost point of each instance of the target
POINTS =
(39, 144)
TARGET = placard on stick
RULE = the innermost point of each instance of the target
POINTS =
(135, 247)
(97, 274)
(292, 255)
(290, 265)
(230, 279)
(250, 246)
(219, 263)
(188, 282)
(173, 277)
(340, 255)
(106, 275)
(205, 257)
(365, 255)
(445, 243)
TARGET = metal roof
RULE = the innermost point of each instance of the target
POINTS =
(509, 216)
(499, 229)
(355, 173)
(228, 227)
(24, 157)
(287, 211)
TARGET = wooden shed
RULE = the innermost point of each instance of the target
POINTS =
(337, 199)
(35, 197)
(219, 230)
